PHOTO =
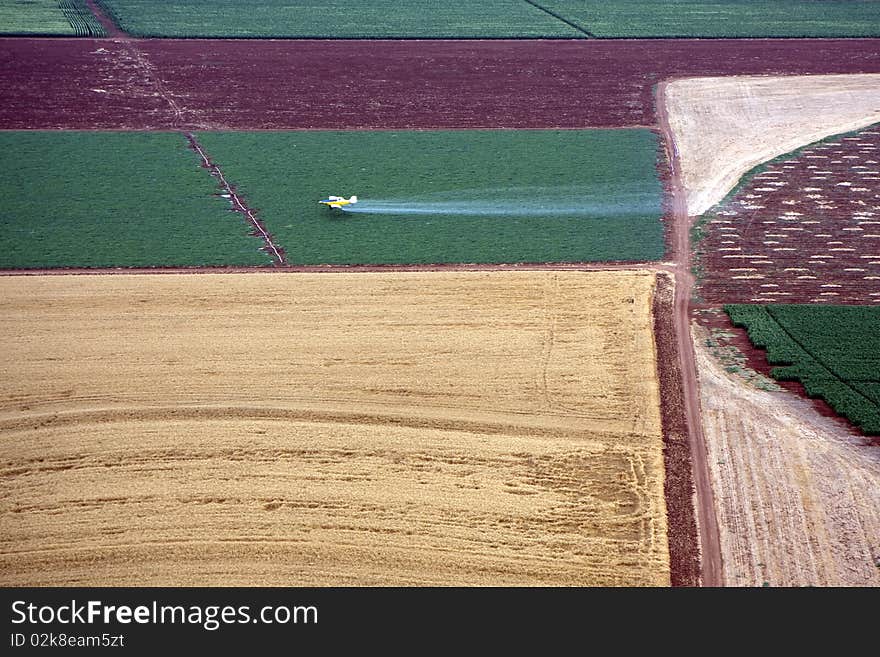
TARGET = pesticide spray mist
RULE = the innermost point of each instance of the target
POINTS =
(595, 201)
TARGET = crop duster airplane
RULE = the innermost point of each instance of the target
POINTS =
(338, 201)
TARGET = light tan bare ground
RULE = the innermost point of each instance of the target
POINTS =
(725, 126)
(798, 501)
(409, 428)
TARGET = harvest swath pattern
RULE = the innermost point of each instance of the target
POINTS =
(337, 19)
(472, 428)
(833, 350)
(805, 227)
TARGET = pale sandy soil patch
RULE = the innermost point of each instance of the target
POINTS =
(797, 498)
(725, 126)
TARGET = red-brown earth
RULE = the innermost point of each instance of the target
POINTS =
(210, 84)
(806, 229)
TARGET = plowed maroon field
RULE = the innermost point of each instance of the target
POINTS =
(804, 230)
(162, 84)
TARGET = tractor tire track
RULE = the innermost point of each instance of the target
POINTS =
(238, 204)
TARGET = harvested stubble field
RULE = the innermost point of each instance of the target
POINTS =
(420, 428)
(797, 496)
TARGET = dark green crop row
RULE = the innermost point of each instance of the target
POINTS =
(81, 19)
(48, 18)
(834, 351)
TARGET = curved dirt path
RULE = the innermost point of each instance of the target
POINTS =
(707, 522)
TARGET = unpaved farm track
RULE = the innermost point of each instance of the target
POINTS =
(679, 239)
(228, 85)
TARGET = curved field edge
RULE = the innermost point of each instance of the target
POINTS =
(346, 429)
(848, 337)
(723, 127)
(810, 215)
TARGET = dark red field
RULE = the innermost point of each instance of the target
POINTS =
(805, 230)
(191, 84)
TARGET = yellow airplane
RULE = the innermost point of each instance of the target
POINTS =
(338, 201)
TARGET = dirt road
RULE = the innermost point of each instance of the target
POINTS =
(707, 522)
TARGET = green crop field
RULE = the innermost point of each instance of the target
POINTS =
(337, 19)
(833, 350)
(47, 18)
(480, 196)
(726, 18)
(90, 199)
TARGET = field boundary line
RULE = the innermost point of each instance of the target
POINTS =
(238, 205)
(153, 78)
(678, 483)
(653, 267)
(552, 13)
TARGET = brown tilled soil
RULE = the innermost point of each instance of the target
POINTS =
(209, 84)
(798, 500)
(805, 230)
(684, 549)
(399, 428)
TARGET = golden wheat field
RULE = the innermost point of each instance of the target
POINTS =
(470, 428)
